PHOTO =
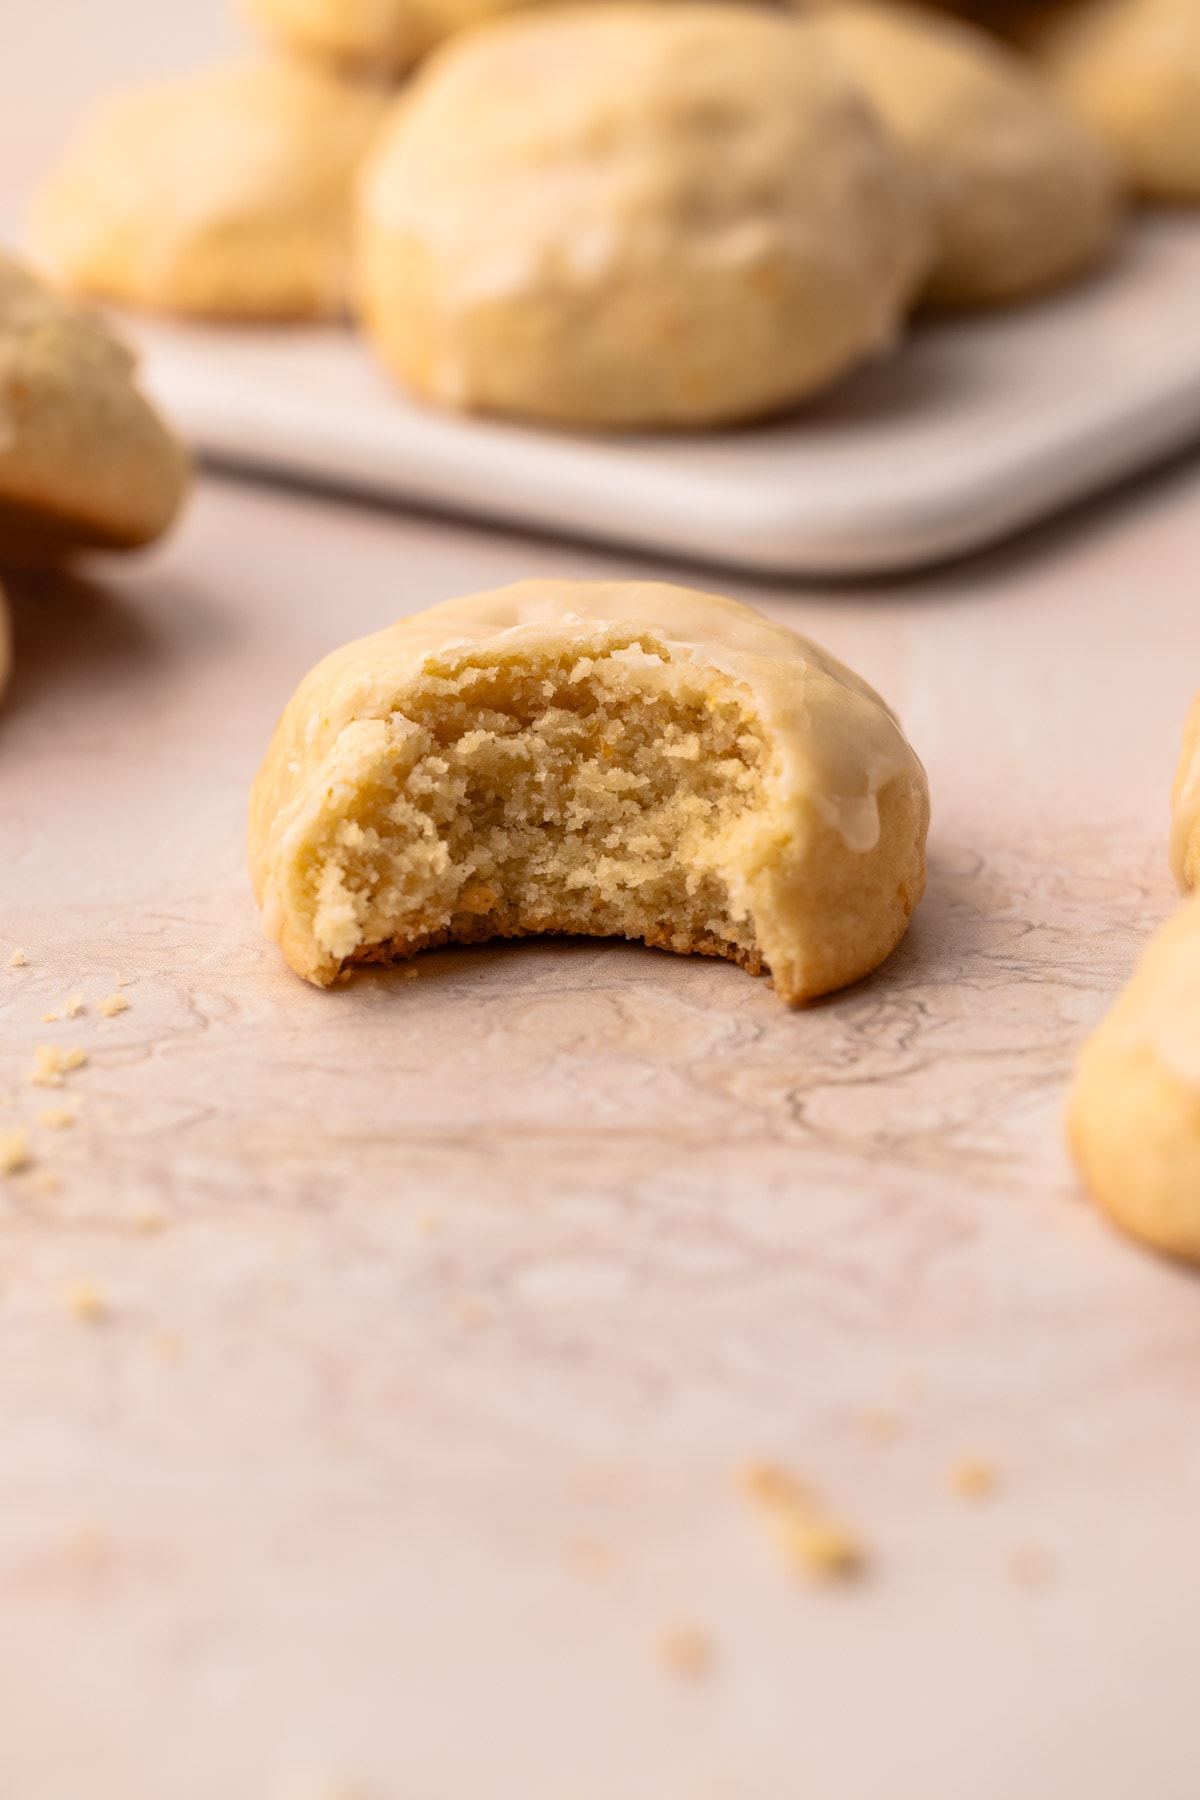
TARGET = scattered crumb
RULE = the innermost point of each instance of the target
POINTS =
(73, 1006)
(14, 1152)
(169, 1347)
(470, 1312)
(124, 980)
(881, 1424)
(49, 1018)
(56, 1118)
(1033, 1568)
(429, 1224)
(86, 1550)
(18, 960)
(813, 1542)
(147, 1223)
(45, 1182)
(688, 1652)
(974, 1479)
(338, 1789)
(112, 1005)
(86, 1305)
(588, 1555)
(51, 1063)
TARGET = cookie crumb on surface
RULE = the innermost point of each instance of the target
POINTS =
(881, 1424)
(688, 1651)
(14, 1152)
(49, 1018)
(813, 1542)
(56, 1118)
(51, 1063)
(86, 1304)
(1033, 1567)
(87, 1550)
(973, 1478)
(588, 1556)
(18, 960)
(112, 1005)
(73, 1006)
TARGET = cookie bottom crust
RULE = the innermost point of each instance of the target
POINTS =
(466, 930)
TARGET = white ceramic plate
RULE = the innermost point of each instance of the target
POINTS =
(973, 429)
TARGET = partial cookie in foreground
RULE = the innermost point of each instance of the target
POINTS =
(227, 196)
(1131, 68)
(1025, 196)
(635, 216)
(1134, 1111)
(85, 461)
(1185, 806)
(614, 759)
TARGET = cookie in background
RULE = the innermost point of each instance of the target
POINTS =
(1025, 197)
(1131, 69)
(85, 460)
(225, 196)
(635, 216)
(380, 37)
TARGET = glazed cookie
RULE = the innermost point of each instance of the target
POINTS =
(635, 216)
(614, 759)
(1024, 196)
(227, 196)
(1134, 1112)
(1131, 68)
(84, 458)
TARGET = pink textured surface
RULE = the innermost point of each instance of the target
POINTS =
(442, 1314)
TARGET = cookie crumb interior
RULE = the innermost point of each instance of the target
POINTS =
(609, 793)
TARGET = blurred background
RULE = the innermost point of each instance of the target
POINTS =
(60, 58)
(418, 1391)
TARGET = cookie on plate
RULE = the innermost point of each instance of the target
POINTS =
(635, 216)
(85, 461)
(1134, 1112)
(613, 759)
(227, 196)
(1025, 196)
(380, 36)
(1131, 68)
